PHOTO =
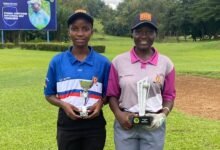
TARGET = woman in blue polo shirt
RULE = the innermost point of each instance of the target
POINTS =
(76, 82)
(141, 86)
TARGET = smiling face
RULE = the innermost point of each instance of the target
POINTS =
(144, 37)
(35, 7)
(80, 32)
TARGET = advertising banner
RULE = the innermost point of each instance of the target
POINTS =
(28, 15)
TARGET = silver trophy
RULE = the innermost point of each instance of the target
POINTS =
(86, 85)
(143, 87)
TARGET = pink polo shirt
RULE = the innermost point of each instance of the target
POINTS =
(127, 69)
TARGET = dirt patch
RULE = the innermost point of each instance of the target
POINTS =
(198, 96)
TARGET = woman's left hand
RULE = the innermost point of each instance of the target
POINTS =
(158, 120)
(95, 109)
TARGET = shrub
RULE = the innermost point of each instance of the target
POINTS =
(7, 45)
(28, 46)
(55, 47)
(99, 48)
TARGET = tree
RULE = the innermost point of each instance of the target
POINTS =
(207, 14)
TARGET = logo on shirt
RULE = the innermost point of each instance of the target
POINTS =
(145, 16)
(64, 79)
(159, 79)
(95, 81)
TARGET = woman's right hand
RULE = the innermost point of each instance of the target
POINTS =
(70, 110)
(123, 119)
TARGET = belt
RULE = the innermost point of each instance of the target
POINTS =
(146, 112)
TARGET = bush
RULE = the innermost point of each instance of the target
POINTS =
(28, 46)
(7, 45)
(99, 48)
(55, 47)
(1, 46)
(52, 47)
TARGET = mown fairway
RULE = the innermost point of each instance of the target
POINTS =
(28, 122)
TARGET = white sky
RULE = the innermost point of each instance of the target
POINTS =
(112, 3)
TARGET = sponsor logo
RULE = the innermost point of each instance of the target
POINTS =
(159, 79)
(145, 16)
(95, 81)
(136, 120)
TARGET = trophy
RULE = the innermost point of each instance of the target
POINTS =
(143, 87)
(85, 84)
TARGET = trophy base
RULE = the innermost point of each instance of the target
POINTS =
(84, 112)
(142, 120)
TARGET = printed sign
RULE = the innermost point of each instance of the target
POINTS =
(28, 15)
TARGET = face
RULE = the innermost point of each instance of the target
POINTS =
(80, 32)
(144, 37)
(35, 7)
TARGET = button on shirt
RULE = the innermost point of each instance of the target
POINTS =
(127, 69)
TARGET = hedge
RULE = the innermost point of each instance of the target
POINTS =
(48, 46)
(55, 47)
(7, 45)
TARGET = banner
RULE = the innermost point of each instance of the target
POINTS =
(28, 15)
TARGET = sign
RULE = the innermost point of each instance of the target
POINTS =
(28, 15)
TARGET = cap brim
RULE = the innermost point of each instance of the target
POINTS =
(76, 16)
(142, 23)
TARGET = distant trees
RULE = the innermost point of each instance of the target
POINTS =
(176, 17)
(207, 17)
(120, 21)
(195, 18)
(198, 19)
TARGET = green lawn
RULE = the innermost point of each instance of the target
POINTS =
(28, 122)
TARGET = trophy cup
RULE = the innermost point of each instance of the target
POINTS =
(143, 87)
(85, 86)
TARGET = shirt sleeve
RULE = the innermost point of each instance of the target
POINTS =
(50, 81)
(105, 79)
(169, 91)
(113, 83)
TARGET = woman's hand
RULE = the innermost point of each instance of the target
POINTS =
(124, 119)
(158, 120)
(95, 109)
(70, 110)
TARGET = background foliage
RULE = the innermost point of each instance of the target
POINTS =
(188, 18)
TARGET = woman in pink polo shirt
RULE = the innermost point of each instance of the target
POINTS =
(141, 90)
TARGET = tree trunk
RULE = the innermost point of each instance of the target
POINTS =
(177, 36)
(216, 35)
(185, 37)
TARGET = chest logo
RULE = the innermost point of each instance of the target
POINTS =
(158, 79)
(95, 80)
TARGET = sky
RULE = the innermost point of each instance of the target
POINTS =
(112, 3)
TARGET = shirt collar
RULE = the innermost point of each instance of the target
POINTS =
(88, 60)
(152, 60)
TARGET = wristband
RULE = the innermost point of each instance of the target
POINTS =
(167, 108)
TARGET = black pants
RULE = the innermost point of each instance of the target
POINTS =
(91, 139)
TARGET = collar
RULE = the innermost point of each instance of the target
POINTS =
(152, 60)
(88, 60)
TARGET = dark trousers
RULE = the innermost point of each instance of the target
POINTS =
(90, 139)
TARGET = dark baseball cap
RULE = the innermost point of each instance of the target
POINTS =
(80, 13)
(144, 18)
